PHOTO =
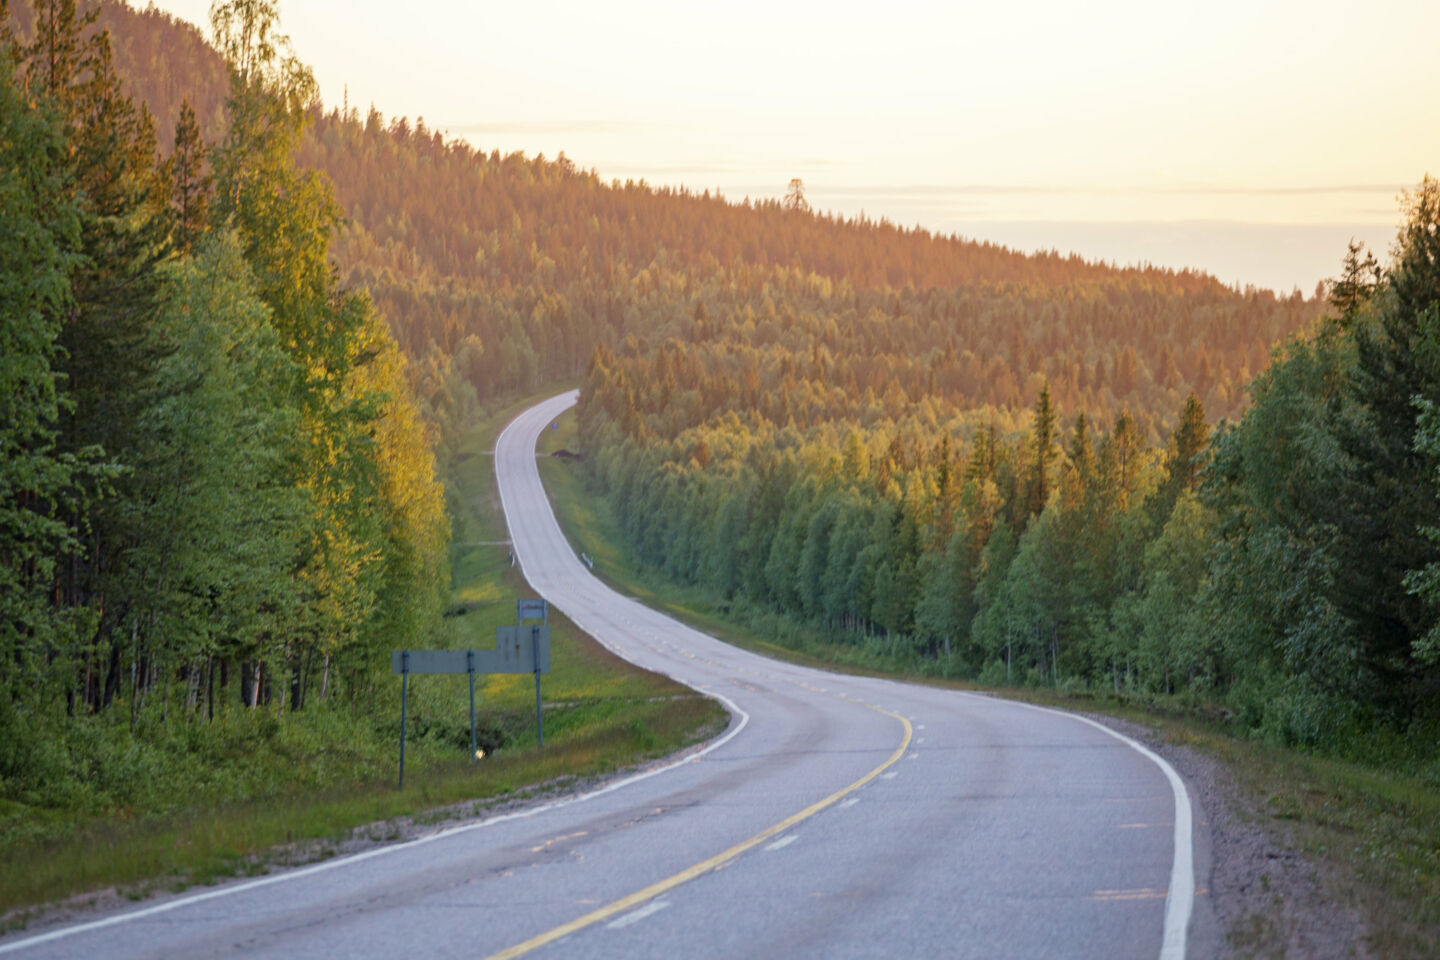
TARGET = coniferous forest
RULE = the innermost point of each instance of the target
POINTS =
(246, 334)
(1282, 567)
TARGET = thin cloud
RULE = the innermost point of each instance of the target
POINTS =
(663, 170)
(1389, 188)
(502, 128)
(986, 189)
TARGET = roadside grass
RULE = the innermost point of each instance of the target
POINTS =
(321, 779)
(1375, 832)
(141, 856)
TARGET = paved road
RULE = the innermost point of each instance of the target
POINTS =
(836, 817)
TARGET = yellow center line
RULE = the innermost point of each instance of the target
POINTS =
(705, 866)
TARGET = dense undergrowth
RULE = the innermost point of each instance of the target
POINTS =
(190, 801)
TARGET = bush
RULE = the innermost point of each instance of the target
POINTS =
(993, 675)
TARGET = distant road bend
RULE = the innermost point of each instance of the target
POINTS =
(838, 816)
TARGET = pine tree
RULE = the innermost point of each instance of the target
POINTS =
(1042, 442)
(1185, 459)
(39, 247)
(1081, 453)
(107, 352)
(1385, 497)
(190, 182)
(1357, 283)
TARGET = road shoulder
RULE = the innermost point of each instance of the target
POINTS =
(1263, 897)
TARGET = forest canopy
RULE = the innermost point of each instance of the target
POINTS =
(1284, 565)
(500, 273)
(216, 488)
(259, 329)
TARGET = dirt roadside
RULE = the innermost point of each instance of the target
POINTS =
(1257, 894)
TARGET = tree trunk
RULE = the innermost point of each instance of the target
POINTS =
(112, 675)
(192, 687)
(297, 681)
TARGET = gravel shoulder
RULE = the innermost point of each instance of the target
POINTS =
(1262, 896)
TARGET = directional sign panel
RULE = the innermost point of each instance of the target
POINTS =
(514, 652)
(530, 610)
(519, 646)
(436, 661)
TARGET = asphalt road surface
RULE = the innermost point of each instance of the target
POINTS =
(837, 816)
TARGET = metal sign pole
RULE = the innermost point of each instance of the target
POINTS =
(470, 663)
(404, 702)
(539, 720)
(509, 656)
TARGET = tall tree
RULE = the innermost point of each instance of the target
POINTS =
(795, 197)
(208, 574)
(1385, 497)
(190, 180)
(39, 247)
(372, 536)
(1359, 278)
(1042, 451)
(1185, 458)
(108, 355)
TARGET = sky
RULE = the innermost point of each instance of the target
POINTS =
(1248, 138)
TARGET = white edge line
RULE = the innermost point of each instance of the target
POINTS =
(393, 848)
(338, 862)
(1180, 900)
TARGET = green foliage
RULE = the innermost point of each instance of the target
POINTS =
(208, 572)
(216, 489)
(39, 237)
(1243, 569)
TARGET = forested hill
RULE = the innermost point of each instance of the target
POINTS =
(540, 261)
(500, 273)
(1285, 566)
(162, 62)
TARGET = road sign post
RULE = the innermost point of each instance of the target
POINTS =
(470, 664)
(535, 648)
(512, 654)
(404, 694)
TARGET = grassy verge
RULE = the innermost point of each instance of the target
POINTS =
(1375, 832)
(254, 789)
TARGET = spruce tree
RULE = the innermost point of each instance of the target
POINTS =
(189, 180)
(39, 247)
(1042, 440)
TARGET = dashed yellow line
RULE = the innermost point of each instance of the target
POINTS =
(705, 866)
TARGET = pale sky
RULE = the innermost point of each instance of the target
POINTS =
(1249, 138)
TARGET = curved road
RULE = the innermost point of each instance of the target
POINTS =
(837, 816)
